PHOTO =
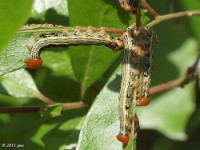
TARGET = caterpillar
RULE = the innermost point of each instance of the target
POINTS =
(59, 28)
(129, 5)
(66, 38)
(147, 42)
(136, 76)
(38, 26)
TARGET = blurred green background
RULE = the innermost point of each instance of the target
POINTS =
(92, 74)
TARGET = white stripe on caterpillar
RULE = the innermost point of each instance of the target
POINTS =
(65, 38)
(136, 75)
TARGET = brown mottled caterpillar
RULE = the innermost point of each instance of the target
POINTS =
(65, 38)
(129, 5)
(147, 40)
(136, 76)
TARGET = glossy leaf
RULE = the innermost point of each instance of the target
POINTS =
(91, 62)
(50, 11)
(101, 124)
(169, 113)
(19, 84)
(12, 18)
(59, 63)
(14, 55)
(51, 112)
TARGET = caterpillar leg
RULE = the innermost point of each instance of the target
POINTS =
(129, 8)
(129, 5)
(142, 101)
(123, 138)
(33, 63)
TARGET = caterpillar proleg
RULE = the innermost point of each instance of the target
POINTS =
(129, 5)
(136, 76)
(66, 38)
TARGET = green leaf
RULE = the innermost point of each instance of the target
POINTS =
(14, 55)
(131, 144)
(56, 111)
(7, 100)
(162, 113)
(66, 135)
(19, 84)
(102, 121)
(194, 20)
(50, 11)
(58, 62)
(89, 63)
(169, 112)
(51, 112)
(13, 14)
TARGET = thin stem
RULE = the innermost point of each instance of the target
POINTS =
(21, 109)
(76, 105)
(115, 31)
(138, 15)
(192, 73)
(171, 16)
(150, 10)
(45, 99)
(31, 109)
(165, 86)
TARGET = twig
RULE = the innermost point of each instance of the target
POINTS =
(76, 105)
(31, 109)
(45, 99)
(21, 109)
(165, 86)
(192, 73)
(138, 15)
(150, 10)
(171, 16)
(115, 31)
